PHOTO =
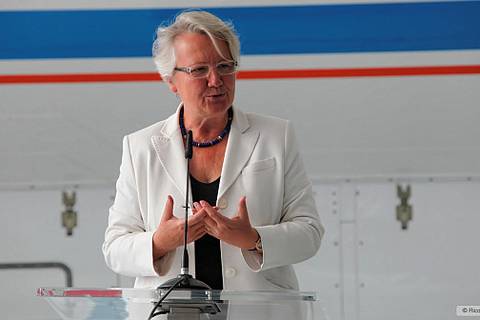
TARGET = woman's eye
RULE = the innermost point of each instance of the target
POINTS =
(200, 70)
(224, 66)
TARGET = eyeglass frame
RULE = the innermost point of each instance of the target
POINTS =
(188, 70)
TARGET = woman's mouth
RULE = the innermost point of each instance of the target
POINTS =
(216, 95)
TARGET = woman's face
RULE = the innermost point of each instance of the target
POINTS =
(208, 96)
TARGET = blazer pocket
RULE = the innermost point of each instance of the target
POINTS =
(258, 166)
(281, 277)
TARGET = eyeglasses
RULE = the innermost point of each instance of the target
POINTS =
(223, 68)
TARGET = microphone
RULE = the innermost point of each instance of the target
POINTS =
(189, 147)
(184, 280)
(188, 156)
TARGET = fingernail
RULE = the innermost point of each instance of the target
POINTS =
(196, 205)
(204, 203)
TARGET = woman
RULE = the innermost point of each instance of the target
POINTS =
(253, 210)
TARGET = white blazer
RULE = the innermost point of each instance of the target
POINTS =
(261, 162)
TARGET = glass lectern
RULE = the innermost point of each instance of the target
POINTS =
(103, 304)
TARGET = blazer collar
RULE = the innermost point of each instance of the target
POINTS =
(170, 151)
(241, 143)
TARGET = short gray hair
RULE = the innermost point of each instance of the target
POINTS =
(197, 22)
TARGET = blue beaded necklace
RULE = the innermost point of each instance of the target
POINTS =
(210, 143)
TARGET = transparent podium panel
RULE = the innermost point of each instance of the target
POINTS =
(103, 304)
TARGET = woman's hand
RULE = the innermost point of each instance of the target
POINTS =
(170, 232)
(236, 231)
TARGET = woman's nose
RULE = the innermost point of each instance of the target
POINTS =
(214, 78)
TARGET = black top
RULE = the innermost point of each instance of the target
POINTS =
(208, 261)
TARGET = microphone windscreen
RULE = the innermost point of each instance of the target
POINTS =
(189, 145)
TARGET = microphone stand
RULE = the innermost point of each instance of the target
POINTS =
(184, 281)
(188, 281)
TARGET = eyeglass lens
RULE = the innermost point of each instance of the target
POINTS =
(223, 68)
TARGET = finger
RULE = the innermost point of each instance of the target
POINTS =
(212, 213)
(210, 231)
(197, 206)
(168, 209)
(196, 229)
(242, 209)
(197, 218)
(194, 208)
(198, 235)
(205, 204)
(209, 222)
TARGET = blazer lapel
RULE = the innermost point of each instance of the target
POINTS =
(241, 142)
(170, 151)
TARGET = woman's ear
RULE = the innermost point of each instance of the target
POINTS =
(172, 86)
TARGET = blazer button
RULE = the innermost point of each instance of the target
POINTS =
(230, 272)
(222, 203)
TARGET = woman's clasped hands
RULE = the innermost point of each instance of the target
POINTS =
(206, 219)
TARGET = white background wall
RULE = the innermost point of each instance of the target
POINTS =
(346, 127)
(34, 233)
(368, 268)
